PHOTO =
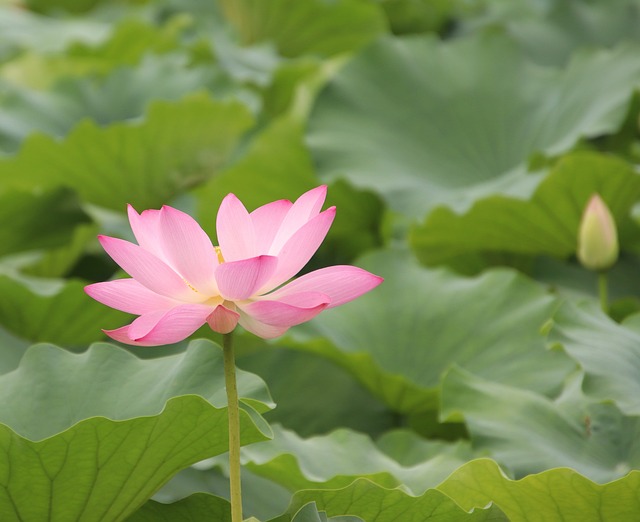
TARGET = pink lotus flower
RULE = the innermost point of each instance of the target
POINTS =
(180, 281)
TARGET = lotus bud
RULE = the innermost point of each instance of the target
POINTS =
(597, 237)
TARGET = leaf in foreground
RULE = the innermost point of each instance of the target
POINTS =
(199, 507)
(556, 495)
(337, 459)
(99, 433)
(374, 503)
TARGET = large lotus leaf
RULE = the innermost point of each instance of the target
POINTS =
(82, 385)
(547, 223)
(608, 352)
(409, 449)
(199, 507)
(575, 282)
(315, 384)
(278, 166)
(335, 460)
(58, 262)
(556, 495)
(122, 95)
(21, 29)
(425, 122)
(12, 349)
(309, 513)
(550, 32)
(53, 310)
(529, 433)
(418, 16)
(145, 163)
(261, 497)
(312, 27)
(374, 503)
(76, 444)
(129, 42)
(401, 337)
(34, 220)
(66, 6)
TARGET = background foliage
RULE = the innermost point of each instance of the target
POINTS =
(460, 141)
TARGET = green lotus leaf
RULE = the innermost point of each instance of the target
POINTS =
(547, 223)
(36, 220)
(129, 42)
(335, 460)
(309, 513)
(312, 27)
(424, 122)
(529, 433)
(199, 507)
(177, 145)
(22, 29)
(13, 349)
(53, 310)
(556, 495)
(315, 384)
(58, 262)
(374, 503)
(122, 95)
(278, 166)
(400, 338)
(608, 352)
(551, 32)
(76, 444)
(418, 16)
(261, 497)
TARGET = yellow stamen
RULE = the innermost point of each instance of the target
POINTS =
(219, 252)
(190, 286)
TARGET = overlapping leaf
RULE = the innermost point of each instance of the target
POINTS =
(424, 122)
(401, 337)
(77, 446)
(54, 310)
(316, 26)
(315, 384)
(123, 95)
(129, 41)
(557, 495)
(529, 433)
(374, 503)
(21, 29)
(38, 220)
(547, 223)
(608, 352)
(278, 166)
(309, 513)
(550, 32)
(335, 460)
(176, 146)
(195, 508)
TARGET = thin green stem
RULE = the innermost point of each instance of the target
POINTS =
(603, 291)
(234, 427)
